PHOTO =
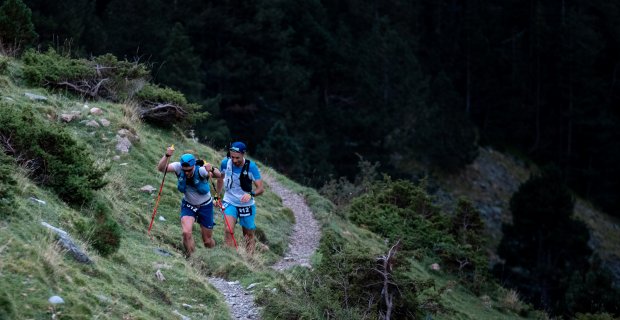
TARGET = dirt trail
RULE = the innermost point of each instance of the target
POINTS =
(302, 244)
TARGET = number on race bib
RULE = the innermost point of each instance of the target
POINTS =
(244, 211)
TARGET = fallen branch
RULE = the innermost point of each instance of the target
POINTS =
(85, 87)
(387, 262)
(162, 112)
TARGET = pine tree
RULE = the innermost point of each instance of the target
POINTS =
(181, 69)
(544, 246)
(16, 27)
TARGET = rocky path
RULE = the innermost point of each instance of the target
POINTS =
(302, 244)
(306, 232)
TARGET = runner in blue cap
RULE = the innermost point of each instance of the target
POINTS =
(197, 204)
(238, 175)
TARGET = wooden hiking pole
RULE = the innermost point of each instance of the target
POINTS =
(159, 194)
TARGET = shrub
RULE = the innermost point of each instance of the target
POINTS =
(165, 106)
(7, 185)
(103, 233)
(469, 258)
(7, 307)
(51, 68)
(56, 159)
(401, 210)
(106, 236)
(100, 77)
(348, 283)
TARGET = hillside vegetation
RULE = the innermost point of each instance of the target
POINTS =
(71, 175)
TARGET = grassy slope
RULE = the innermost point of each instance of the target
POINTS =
(123, 285)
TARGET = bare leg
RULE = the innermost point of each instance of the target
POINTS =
(250, 242)
(187, 223)
(207, 237)
(228, 237)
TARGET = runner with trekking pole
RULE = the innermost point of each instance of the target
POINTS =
(239, 174)
(197, 203)
(161, 186)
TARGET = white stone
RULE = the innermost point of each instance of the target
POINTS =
(55, 300)
(33, 96)
(96, 111)
(253, 285)
(37, 200)
(67, 117)
(435, 266)
(162, 218)
(180, 315)
(147, 188)
(93, 123)
(104, 122)
(159, 275)
(123, 144)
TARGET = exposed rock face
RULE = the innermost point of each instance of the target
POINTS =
(67, 243)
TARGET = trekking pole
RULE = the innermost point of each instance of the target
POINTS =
(219, 205)
(159, 194)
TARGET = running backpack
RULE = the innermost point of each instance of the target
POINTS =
(244, 177)
(201, 184)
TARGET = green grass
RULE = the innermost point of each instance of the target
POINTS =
(123, 285)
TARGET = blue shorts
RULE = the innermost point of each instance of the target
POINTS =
(245, 215)
(202, 213)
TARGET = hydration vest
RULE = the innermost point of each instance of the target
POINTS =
(244, 177)
(201, 184)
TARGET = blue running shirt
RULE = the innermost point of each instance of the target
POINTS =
(234, 192)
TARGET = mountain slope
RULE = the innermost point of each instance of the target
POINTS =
(125, 284)
(490, 182)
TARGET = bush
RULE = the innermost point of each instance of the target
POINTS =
(348, 284)
(56, 159)
(402, 210)
(165, 106)
(7, 185)
(106, 236)
(103, 233)
(51, 68)
(100, 77)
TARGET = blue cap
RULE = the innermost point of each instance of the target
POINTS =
(187, 160)
(238, 147)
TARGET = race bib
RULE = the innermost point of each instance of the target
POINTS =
(244, 211)
(193, 208)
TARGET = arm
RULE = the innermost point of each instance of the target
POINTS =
(214, 172)
(260, 189)
(220, 182)
(161, 165)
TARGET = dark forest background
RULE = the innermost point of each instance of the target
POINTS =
(314, 85)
